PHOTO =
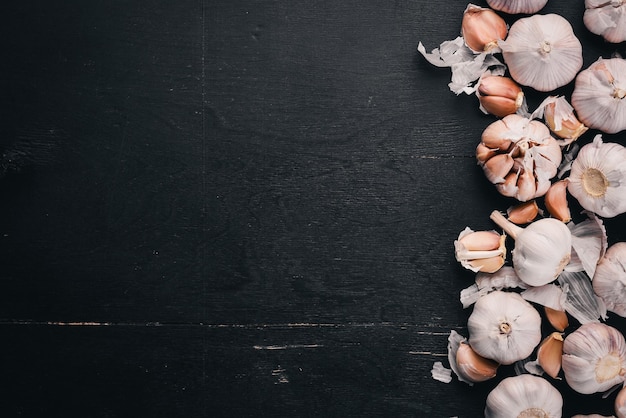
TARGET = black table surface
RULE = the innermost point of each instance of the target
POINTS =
(239, 208)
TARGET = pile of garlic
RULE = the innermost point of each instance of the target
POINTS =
(562, 271)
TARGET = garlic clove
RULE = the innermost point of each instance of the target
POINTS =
(620, 403)
(555, 200)
(497, 167)
(509, 187)
(524, 395)
(517, 6)
(542, 249)
(482, 28)
(559, 116)
(609, 280)
(541, 51)
(526, 185)
(480, 250)
(549, 354)
(606, 18)
(483, 153)
(598, 178)
(594, 358)
(599, 95)
(557, 318)
(499, 95)
(474, 367)
(523, 213)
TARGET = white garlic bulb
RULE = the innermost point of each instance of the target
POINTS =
(541, 51)
(620, 403)
(517, 6)
(542, 249)
(599, 95)
(609, 280)
(598, 178)
(524, 395)
(606, 18)
(594, 358)
(504, 327)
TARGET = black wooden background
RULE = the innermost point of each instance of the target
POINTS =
(238, 208)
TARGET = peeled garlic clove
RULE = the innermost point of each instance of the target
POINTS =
(599, 95)
(556, 201)
(609, 280)
(523, 213)
(517, 6)
(606, 18)
(474, 367)
(598, 178)
(620, 403)
(549, 354)
(480, 250)
(499, 95)
(594, 358)
(504, 327)
(524, 395)
(541, 51)
(542, 249)
(559, 116)
(558, 319)
(482, 28)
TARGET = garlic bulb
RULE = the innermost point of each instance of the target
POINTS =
(599, 95)
(522, 396)
(620, 403)
(598, 178)
(594, 358)
(541, 51)
(517, 6)
(480, 250)
(499, 95)
(504, 327)
(519, 156)
(606, 18)
(482, 28)
(542, 249)
(609, 280)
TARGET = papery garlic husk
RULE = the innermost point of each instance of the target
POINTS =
(542, 249)
(523, 213)
(609, 280)
(482, 28)
(473, 366)
(517, 6)
(480, 250)
(606, 18)
(598, 178)
(524, 395)
(557, 318)
(549, 354)
(556, 201)
(504, 278)
(580, 301)
(599, 95)
(525, 157)
(504, 327)
(560, 118)
(620, 403)
(541, 51)
(594, 358)
(589, 244)
(499, 95)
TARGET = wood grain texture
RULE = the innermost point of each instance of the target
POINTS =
(248, 209)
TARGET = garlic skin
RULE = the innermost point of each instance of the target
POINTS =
(499, 95)
(504, 327)
(524, 395)
(519, 156)
(606, 18)
(480, 250)
(542, 52)
(609, 280)
(594, 358)
(542, 249)
(598, 178)
(482, 28)
(599, 93)
(517, 6)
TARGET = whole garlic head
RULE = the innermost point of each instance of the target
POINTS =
(598, 178)
(609, 280)
(606, 18)
(523, 396)
(504, 327)
(517, 6)
(541, 51)
(594, 358)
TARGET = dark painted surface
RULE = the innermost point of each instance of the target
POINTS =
(238, 208)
